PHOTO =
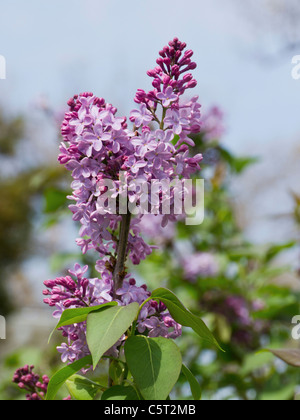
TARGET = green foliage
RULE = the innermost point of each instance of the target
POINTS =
(155, 364)
(183, 316)
(106, 327)
(64, 374)
(11, 132)
(194, 384)
(55, 199)
(78, 315)
(82, 389)
(121, 393)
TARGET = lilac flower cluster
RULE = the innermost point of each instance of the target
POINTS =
(171, 80)
(99, 146)
(27, 380)
(200, 264)
(168, 81)
(213, 124)
(238, 312)
(76, 290)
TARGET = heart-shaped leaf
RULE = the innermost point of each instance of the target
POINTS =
(155, 364)
(105, 328)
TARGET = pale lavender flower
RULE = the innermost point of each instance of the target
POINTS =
(67, 353)
(175, 121)
(81, 122)
(141, 116)
(167, 97)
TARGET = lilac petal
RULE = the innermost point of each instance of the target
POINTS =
(98, 145)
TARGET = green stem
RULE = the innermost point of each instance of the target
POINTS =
(163, 117)
(114, 359)
(118, 274)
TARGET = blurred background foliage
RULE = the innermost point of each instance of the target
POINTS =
(23, 196)
(239, 289)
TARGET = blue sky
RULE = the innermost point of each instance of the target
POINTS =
(60, 48)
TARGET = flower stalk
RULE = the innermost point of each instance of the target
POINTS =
(119, 270)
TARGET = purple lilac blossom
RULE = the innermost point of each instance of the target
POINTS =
(213, 124)
(201, 264)
(238, 312)
(98, 145)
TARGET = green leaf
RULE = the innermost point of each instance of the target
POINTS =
(60, 377)
(254, 362)
(105, 328)
(155, 364)
(82, 389)
(121, 393)
(55, 199)
(274, 250)
(78, 315)
(237, 164)
(183, 316)
(289, 356)
(242, 163)
(194, 384)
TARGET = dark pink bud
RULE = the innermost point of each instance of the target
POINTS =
(188, 53)
(156, 83)
(192, 84)
(49, 283)
(71, 302)
(154, 304)
(187, 77)
(151, 73)
(162, 307)
(167, 61)
(166, 79)
(192, 66)
(49, 302)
